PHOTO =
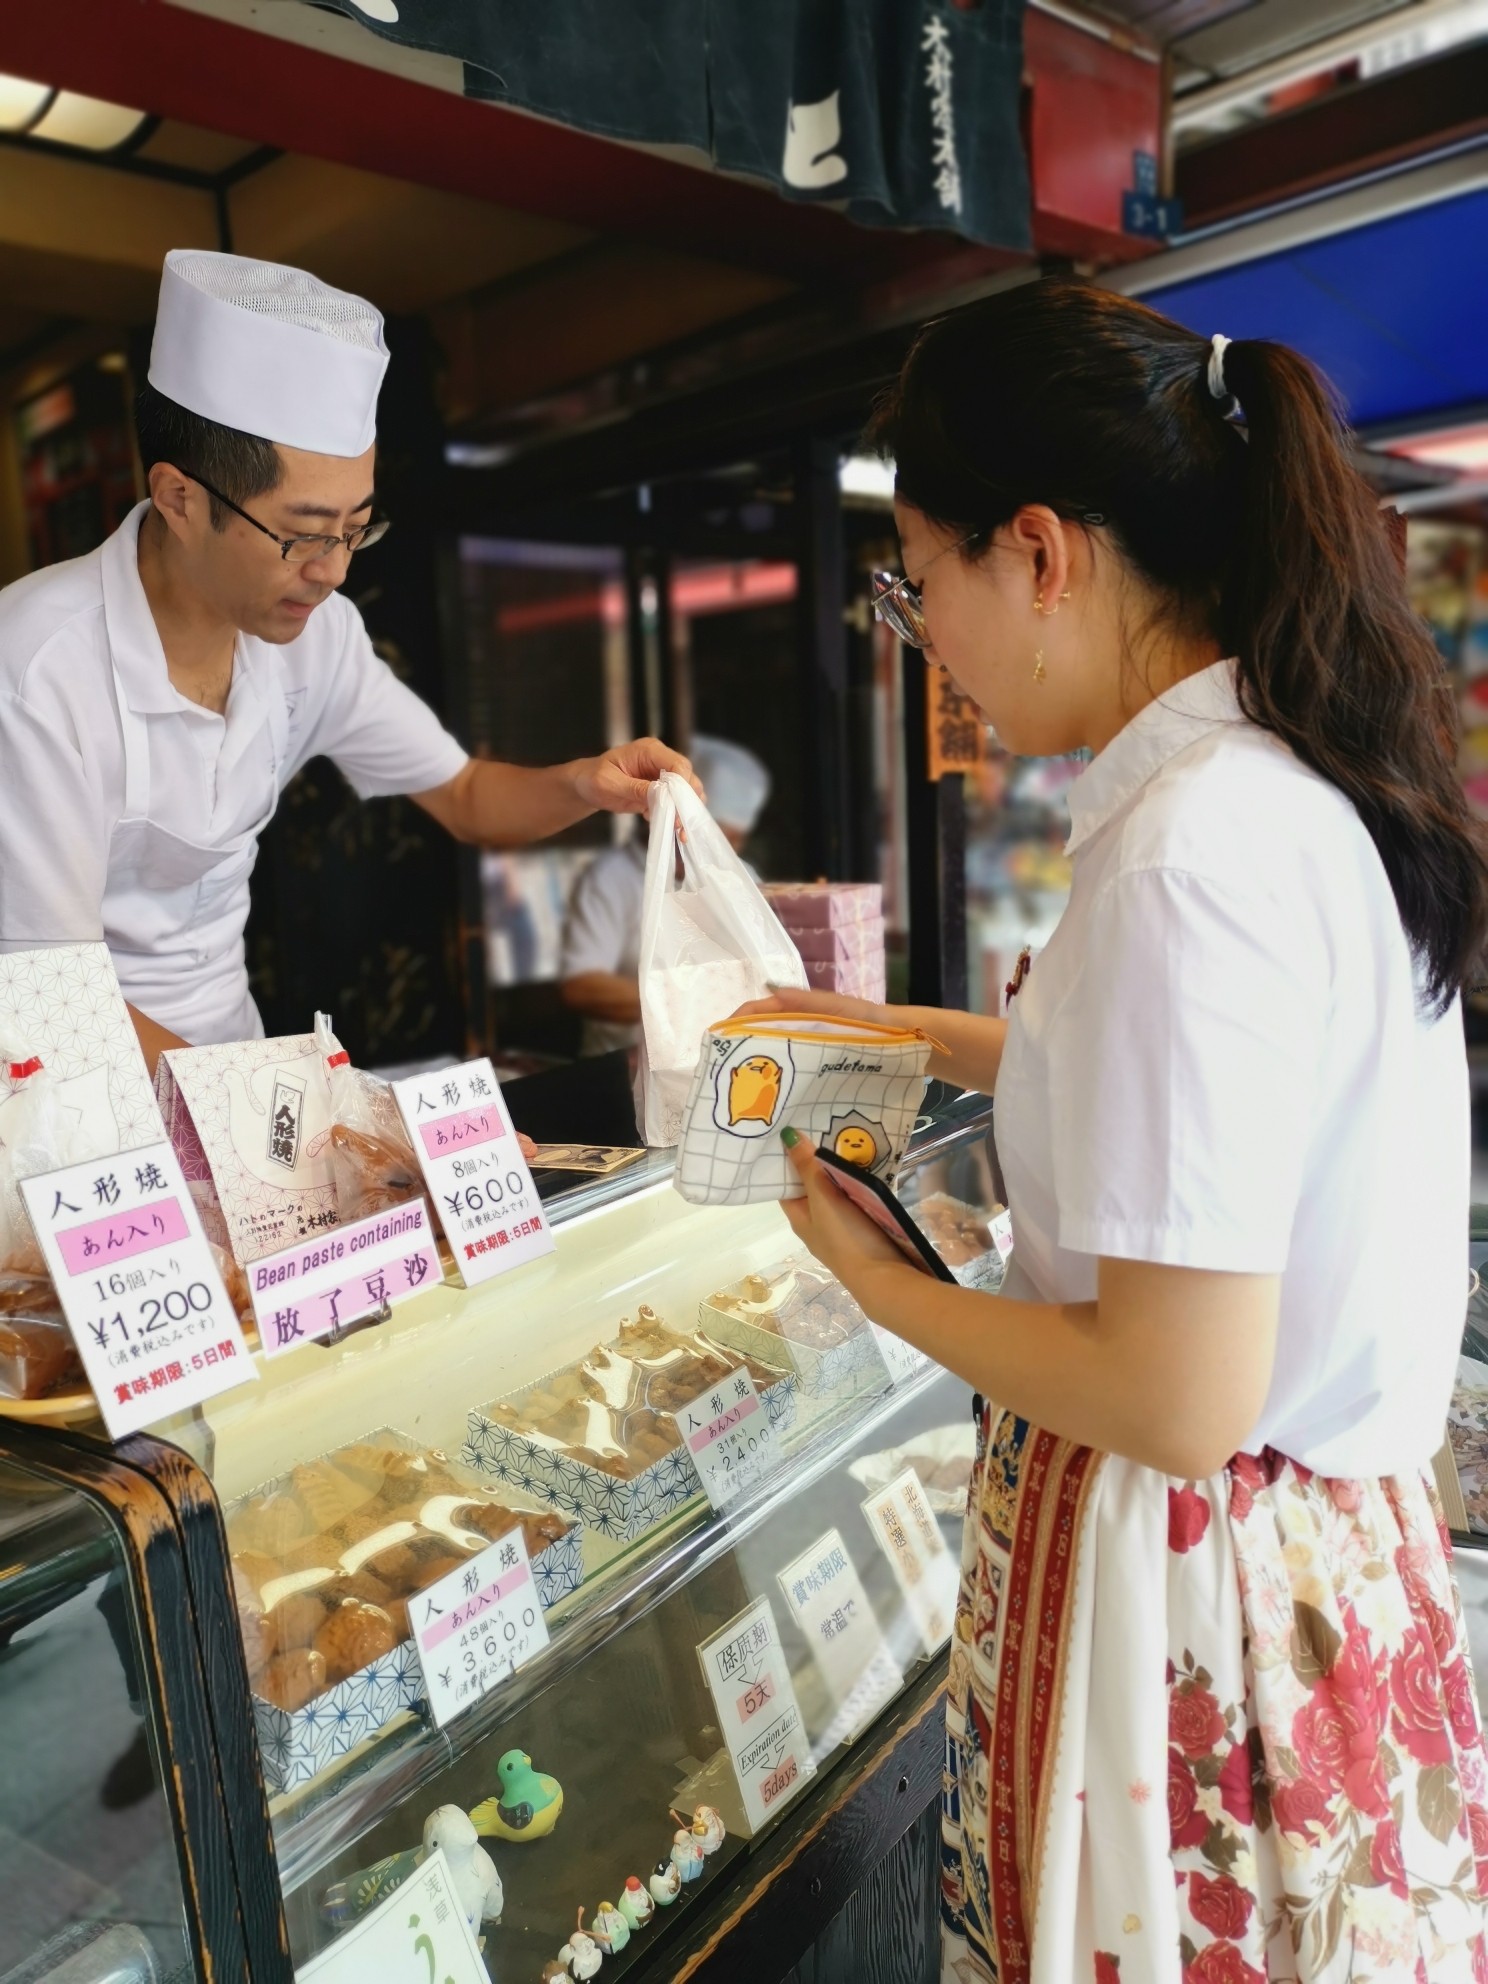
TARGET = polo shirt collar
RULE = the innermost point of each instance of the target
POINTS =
(1191, 709)
(133, 638)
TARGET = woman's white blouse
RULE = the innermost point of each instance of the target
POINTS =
(1219, 1061)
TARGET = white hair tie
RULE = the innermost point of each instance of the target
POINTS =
(1218, 346)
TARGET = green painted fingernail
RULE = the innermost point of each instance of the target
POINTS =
(789, 1137)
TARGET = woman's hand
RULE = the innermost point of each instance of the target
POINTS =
(831, 1005)
(843, 1239)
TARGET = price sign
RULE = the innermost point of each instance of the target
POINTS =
(418, 1933)
(474, 1168)
(311, 1289)
(138, 1285)
(826, 1597)
(903, 1360)
(727, 1432)
(745, 1669)
(476, 1625)
(910, 1538)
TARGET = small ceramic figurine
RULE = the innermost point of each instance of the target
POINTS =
(687, 1854)
(555, 1971)
(635, 1904)
(529, 1804)
(581, 1953)
(665, 1884)
(610, 1928)
(476, 1881)
(707, 1823)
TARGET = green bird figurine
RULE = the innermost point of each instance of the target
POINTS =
(529, 1805)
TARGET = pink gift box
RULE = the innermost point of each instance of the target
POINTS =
(847, 943)
(824, 905)
(856, 981)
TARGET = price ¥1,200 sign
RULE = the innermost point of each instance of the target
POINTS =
(138, 1285)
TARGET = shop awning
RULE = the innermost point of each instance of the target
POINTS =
(903, 112)
(1393, 309)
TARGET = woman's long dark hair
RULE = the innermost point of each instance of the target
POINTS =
(1251, 524)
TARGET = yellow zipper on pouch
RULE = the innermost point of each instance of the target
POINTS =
(783, 1026)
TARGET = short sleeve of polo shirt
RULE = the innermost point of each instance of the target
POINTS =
(603, 927)
(1183, 1066)
(383, 737)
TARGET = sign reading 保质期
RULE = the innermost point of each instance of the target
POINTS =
(342, 1275)
(138, 1285)
(744, 1666)
(474, 1168)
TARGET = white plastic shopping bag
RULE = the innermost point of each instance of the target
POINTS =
(709, 941)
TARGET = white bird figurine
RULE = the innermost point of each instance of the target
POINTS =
(477, 1883)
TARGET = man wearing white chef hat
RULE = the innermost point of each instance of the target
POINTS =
(157, 694)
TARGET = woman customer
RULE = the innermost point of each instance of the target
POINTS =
(1211, 1717)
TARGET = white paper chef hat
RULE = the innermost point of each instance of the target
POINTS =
(269, 350)
(736, 782)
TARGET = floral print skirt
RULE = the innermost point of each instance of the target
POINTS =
(1214, 1732)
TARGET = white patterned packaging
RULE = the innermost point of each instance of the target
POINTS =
(250, 1121)
(850, 1086)
(63, 1003)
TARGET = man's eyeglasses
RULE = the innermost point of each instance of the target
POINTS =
(302, 550)
(898, 604)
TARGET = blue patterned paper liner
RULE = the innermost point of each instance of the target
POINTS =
(842, 1370)
(297, 1746)
(620, 1510)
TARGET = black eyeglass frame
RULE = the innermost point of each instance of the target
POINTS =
(352, 541)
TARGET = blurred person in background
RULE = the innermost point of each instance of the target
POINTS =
(598, 971)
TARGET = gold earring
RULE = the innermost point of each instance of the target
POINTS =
(1039, 606)
(1038, 666)
(1064, 595)
(1038, 602)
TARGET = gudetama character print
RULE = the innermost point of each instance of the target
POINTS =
(754, 1090)
(855, 1145)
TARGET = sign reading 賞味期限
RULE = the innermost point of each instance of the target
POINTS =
(747, 1676)
(317, 1287)
(828, 1602)
(420, 1932)
(476, 1625)
(727, 1431)
(474, 1168)
(138, 1285)
(909, 1536)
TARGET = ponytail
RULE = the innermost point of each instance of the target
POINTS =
(1251, 524)
(1334, 660)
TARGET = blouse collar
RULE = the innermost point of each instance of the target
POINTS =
(1191, 709)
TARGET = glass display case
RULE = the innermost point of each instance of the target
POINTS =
(708, 1676)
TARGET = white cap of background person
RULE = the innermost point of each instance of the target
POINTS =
(268, 350)
(736, 782)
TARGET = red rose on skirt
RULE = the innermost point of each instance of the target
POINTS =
(1385, 1862)
(1107, 1968)
(1297, 1803)
(1222, 1907)
(1438, 1624)
(1221, 1963)
(1358, 1677)
(1247, 1479)
(1477, 1820)
(1195, 1724)
(1234, 1784)
(1186, 1822)
(1188, 1518)
(1462, 1706)
(1321, 1732)
(1419, 1720)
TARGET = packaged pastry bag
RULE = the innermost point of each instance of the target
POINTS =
(853, 1087)
(709, 942)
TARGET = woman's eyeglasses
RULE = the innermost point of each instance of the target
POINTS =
(302, 550)
(898, 603)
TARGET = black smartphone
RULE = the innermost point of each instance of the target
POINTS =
(872, 1196)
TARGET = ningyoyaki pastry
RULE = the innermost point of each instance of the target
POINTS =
(665, 1883)
(635, 1904)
